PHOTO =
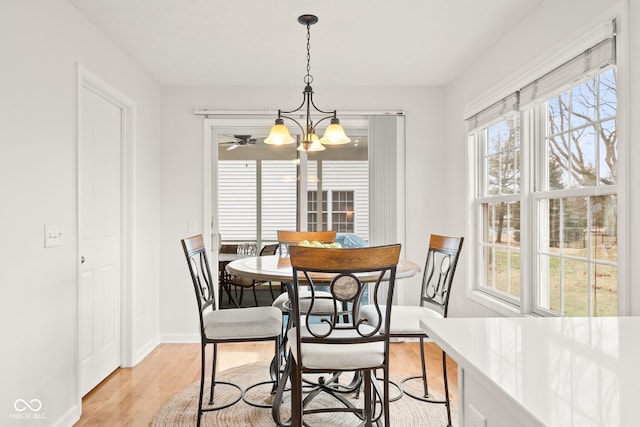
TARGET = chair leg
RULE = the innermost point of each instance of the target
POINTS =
(202, 367)
(275, 373)
(368, 404)
(296, 393)
(424, 369)
(446, 388)
(277, 399)
(273, 297)
(241, 295)
(213, 372)
(425, 397)
(255, 296)
(385, 399)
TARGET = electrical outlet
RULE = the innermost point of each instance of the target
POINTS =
(53, 235)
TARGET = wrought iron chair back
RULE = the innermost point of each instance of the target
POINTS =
(319, 334)
(439, 269)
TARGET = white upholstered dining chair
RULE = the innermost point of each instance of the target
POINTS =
(224, 326)
(334, 339)
(440, 267)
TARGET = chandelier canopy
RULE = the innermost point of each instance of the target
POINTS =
(334, 133)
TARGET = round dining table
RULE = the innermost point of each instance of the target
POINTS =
(278, 269)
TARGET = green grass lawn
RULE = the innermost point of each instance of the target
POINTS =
(568, 273)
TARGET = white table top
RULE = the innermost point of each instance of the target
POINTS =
(563, 371)
(225, 257)
(273, 267)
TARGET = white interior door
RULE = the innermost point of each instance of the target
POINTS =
(99, 210)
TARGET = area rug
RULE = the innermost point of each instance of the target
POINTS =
(181, 410)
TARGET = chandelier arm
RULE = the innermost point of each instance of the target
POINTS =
(304, 101)
(334, 112)
(322, 120)
(293, 120)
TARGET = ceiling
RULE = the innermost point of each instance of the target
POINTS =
(260, 42)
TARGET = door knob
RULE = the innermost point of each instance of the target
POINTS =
(81, 260)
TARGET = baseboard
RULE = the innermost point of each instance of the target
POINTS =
(145, 350)
(180, 338)
(71, 417)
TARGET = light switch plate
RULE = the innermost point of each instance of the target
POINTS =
(53, 235)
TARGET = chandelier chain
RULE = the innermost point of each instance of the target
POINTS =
(308, 78)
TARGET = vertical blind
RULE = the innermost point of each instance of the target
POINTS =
(383, 178)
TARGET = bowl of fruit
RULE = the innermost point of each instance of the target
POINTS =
(317, 244)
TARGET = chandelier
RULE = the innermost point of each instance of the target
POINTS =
(333, 135)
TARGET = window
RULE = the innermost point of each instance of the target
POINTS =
(312, 211)
(499, 205)
(545, 197)
(339, 208)
(342, 186)
(576, 202)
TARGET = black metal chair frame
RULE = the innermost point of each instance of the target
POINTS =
(200, 271)
(266, 250)
(435, 293)
(345, 267)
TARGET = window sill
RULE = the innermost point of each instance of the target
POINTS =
(493, 304)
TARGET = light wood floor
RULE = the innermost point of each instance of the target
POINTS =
(132, 396)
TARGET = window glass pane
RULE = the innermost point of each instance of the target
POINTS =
(278, 198)
(574, 285)
(602, 237)
(583, 157)
(604, 291)
(608, 100)
(503, 157)
(608, 152)
(577, 262)
(558, 117)
(583, 104)
(581, 138)
(502, 247)
(550, 296)
(557, 162)
(312, 213)
(237, 200)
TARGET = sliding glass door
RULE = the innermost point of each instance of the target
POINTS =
(263, 188)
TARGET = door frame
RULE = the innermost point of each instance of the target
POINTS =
(220, 122)
(90, 81)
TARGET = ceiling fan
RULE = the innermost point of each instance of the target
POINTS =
(237, 141)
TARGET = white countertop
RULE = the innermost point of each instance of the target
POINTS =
(563, 371)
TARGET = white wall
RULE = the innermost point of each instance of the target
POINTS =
(42, 40)
(548, 27)
(182, 172)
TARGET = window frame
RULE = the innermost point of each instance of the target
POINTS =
(328, 199)
(530, 175)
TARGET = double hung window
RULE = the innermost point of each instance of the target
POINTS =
(544, 164)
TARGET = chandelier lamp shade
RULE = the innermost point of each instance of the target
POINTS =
(334, 133)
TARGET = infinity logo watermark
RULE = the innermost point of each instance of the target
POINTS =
(21, 405)
(28, 410)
